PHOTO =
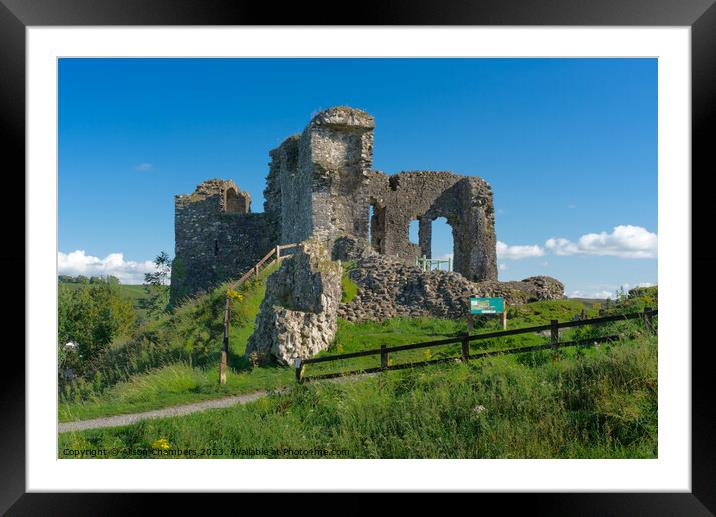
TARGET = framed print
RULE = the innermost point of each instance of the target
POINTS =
(428, 242)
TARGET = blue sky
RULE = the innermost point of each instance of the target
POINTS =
(569, 146)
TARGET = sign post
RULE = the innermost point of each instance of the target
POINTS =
(487, 306)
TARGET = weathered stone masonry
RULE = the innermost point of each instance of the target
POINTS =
(216, 236)
(320, 192)
(321, 183)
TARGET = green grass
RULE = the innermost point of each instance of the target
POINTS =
(350, 288)
(172, 385)
(152, 369)
(596, 404)
(155, 369)
(178, 383)
(355, 337)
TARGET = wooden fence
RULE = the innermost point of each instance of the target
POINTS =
(265, 262)
(554, 344)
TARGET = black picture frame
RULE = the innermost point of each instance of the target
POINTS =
(700, 15)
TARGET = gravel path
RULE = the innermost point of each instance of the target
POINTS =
(186, 409)
(120, 420)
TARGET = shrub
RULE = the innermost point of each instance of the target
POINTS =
(91, 316)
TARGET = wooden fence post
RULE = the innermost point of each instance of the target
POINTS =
(647, 319)
(299, 369)
(256, 272)
(278, 252)
(383, 357)
(504, 316)
(554, 337)
(225, 351)
(465, 349)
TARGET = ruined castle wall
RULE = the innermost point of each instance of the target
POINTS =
(212, 244)
(337, 151)
(388, 288)
(466, 203)
(321, 184)
(288, 201)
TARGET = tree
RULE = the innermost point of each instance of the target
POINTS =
(155, 286)
(91, 316)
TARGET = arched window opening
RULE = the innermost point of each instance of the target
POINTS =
(232, 205)
(442, 246)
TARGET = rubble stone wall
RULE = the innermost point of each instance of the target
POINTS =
(390, 288)
(298, 315)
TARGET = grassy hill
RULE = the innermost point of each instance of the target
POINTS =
(155, 369)
(600, 403)
(589, 403)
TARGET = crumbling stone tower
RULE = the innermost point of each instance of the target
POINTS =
(321, 183)
(216, 237)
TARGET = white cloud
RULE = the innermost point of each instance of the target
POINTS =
(502, 267)
(144, 167)
(624, 241)
(605, 293)
(507, 252)
(79, 263)
(596, 294)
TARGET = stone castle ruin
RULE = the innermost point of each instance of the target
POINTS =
(321, 189)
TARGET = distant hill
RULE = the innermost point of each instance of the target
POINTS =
(589, 302)
(134, 292)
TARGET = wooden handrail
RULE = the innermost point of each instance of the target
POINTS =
(276, 250)
(260, 263)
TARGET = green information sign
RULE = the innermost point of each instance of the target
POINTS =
(487, 305)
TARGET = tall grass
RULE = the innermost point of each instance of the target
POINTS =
(192, 335)
(597, 405)
(154, 369)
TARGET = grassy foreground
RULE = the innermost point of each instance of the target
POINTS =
(166, 378)
(592, 403)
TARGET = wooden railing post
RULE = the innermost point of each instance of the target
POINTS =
(647, 319)
(465, 349)
(383, 357)
(278, 252)
(225, 352)
(299, 369)
(554, 337)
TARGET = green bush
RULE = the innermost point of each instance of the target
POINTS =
(91, 316)
(192, 335)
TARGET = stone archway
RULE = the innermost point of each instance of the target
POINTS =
(425, 233)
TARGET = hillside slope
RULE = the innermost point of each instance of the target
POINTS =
(596, 404)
